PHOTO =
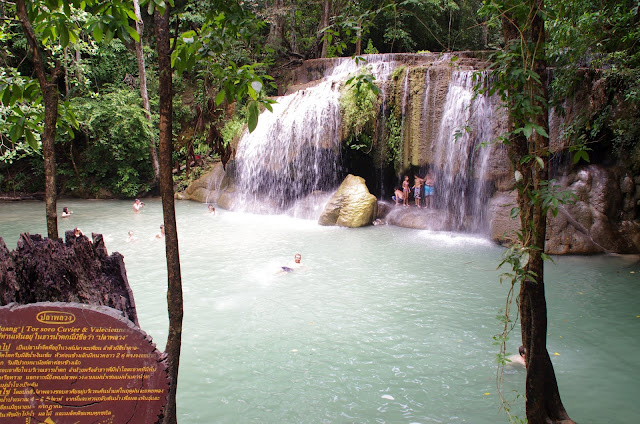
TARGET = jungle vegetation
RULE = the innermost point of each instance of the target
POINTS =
(592, 37)
(70, 97)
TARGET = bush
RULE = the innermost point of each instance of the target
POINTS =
(113, 139)
(359, 107)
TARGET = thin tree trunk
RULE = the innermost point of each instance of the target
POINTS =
(326, 11)
(543, 403)
(358, 51)
(276, 31)
(174, 289)
(142, 76)
(294, 36)
(49, 88)
(66, 73)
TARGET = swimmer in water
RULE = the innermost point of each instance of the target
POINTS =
(519, 359)
(66, 212)
(297, 264)
(137, 205)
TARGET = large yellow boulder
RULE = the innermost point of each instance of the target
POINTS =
(351, 205)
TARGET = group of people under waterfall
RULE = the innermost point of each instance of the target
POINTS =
(423, 191)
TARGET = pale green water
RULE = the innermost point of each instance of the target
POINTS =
(384, 324)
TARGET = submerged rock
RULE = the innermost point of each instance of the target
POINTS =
(351, 205)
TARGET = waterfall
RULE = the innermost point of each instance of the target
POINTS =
(295, 152)
(292, 152)
(459, 160)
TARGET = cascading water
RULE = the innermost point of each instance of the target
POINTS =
(295, 151)
(459, 160)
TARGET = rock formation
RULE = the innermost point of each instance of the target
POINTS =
(443, 127)
(351, 205)
(45, 270)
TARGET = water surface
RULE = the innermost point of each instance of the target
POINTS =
(382, 325)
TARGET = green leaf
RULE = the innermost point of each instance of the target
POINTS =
(581, 154)
(16, 132)
(253, 116)
(514, 212)
(540, 162)
(133, 33)
(31, 139)
(540, 130)
(257, 86)
(6, 96)
(108, 36)
(252, 93)
(17, 94)
(220, 98)
(98, 32)
(150, 8)
(64, 36)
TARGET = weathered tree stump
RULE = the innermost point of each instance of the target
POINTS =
(78, 270)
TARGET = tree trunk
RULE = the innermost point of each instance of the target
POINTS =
(358, 51)
(276, 31)
(50, 95)
(326, 11)
(174, 289)
(543, 403)
(294, 36)
(142, 76)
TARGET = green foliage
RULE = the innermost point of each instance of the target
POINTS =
(370, 49)
(204, 51)
(21, 112)
(117, 134)
(359, 105)
(394, 139)
(398, 72)
(110, 63)
(232, 129)
(598, 41)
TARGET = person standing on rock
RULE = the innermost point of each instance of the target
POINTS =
(429, 189)
(417, 189)
(405, 191)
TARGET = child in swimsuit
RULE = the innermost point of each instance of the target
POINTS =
(417, 188)
(405, 191)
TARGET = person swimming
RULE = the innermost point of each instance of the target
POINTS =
(519, 359)
(66, 212)
(137, 205)
(160, 235)
(297, 263)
